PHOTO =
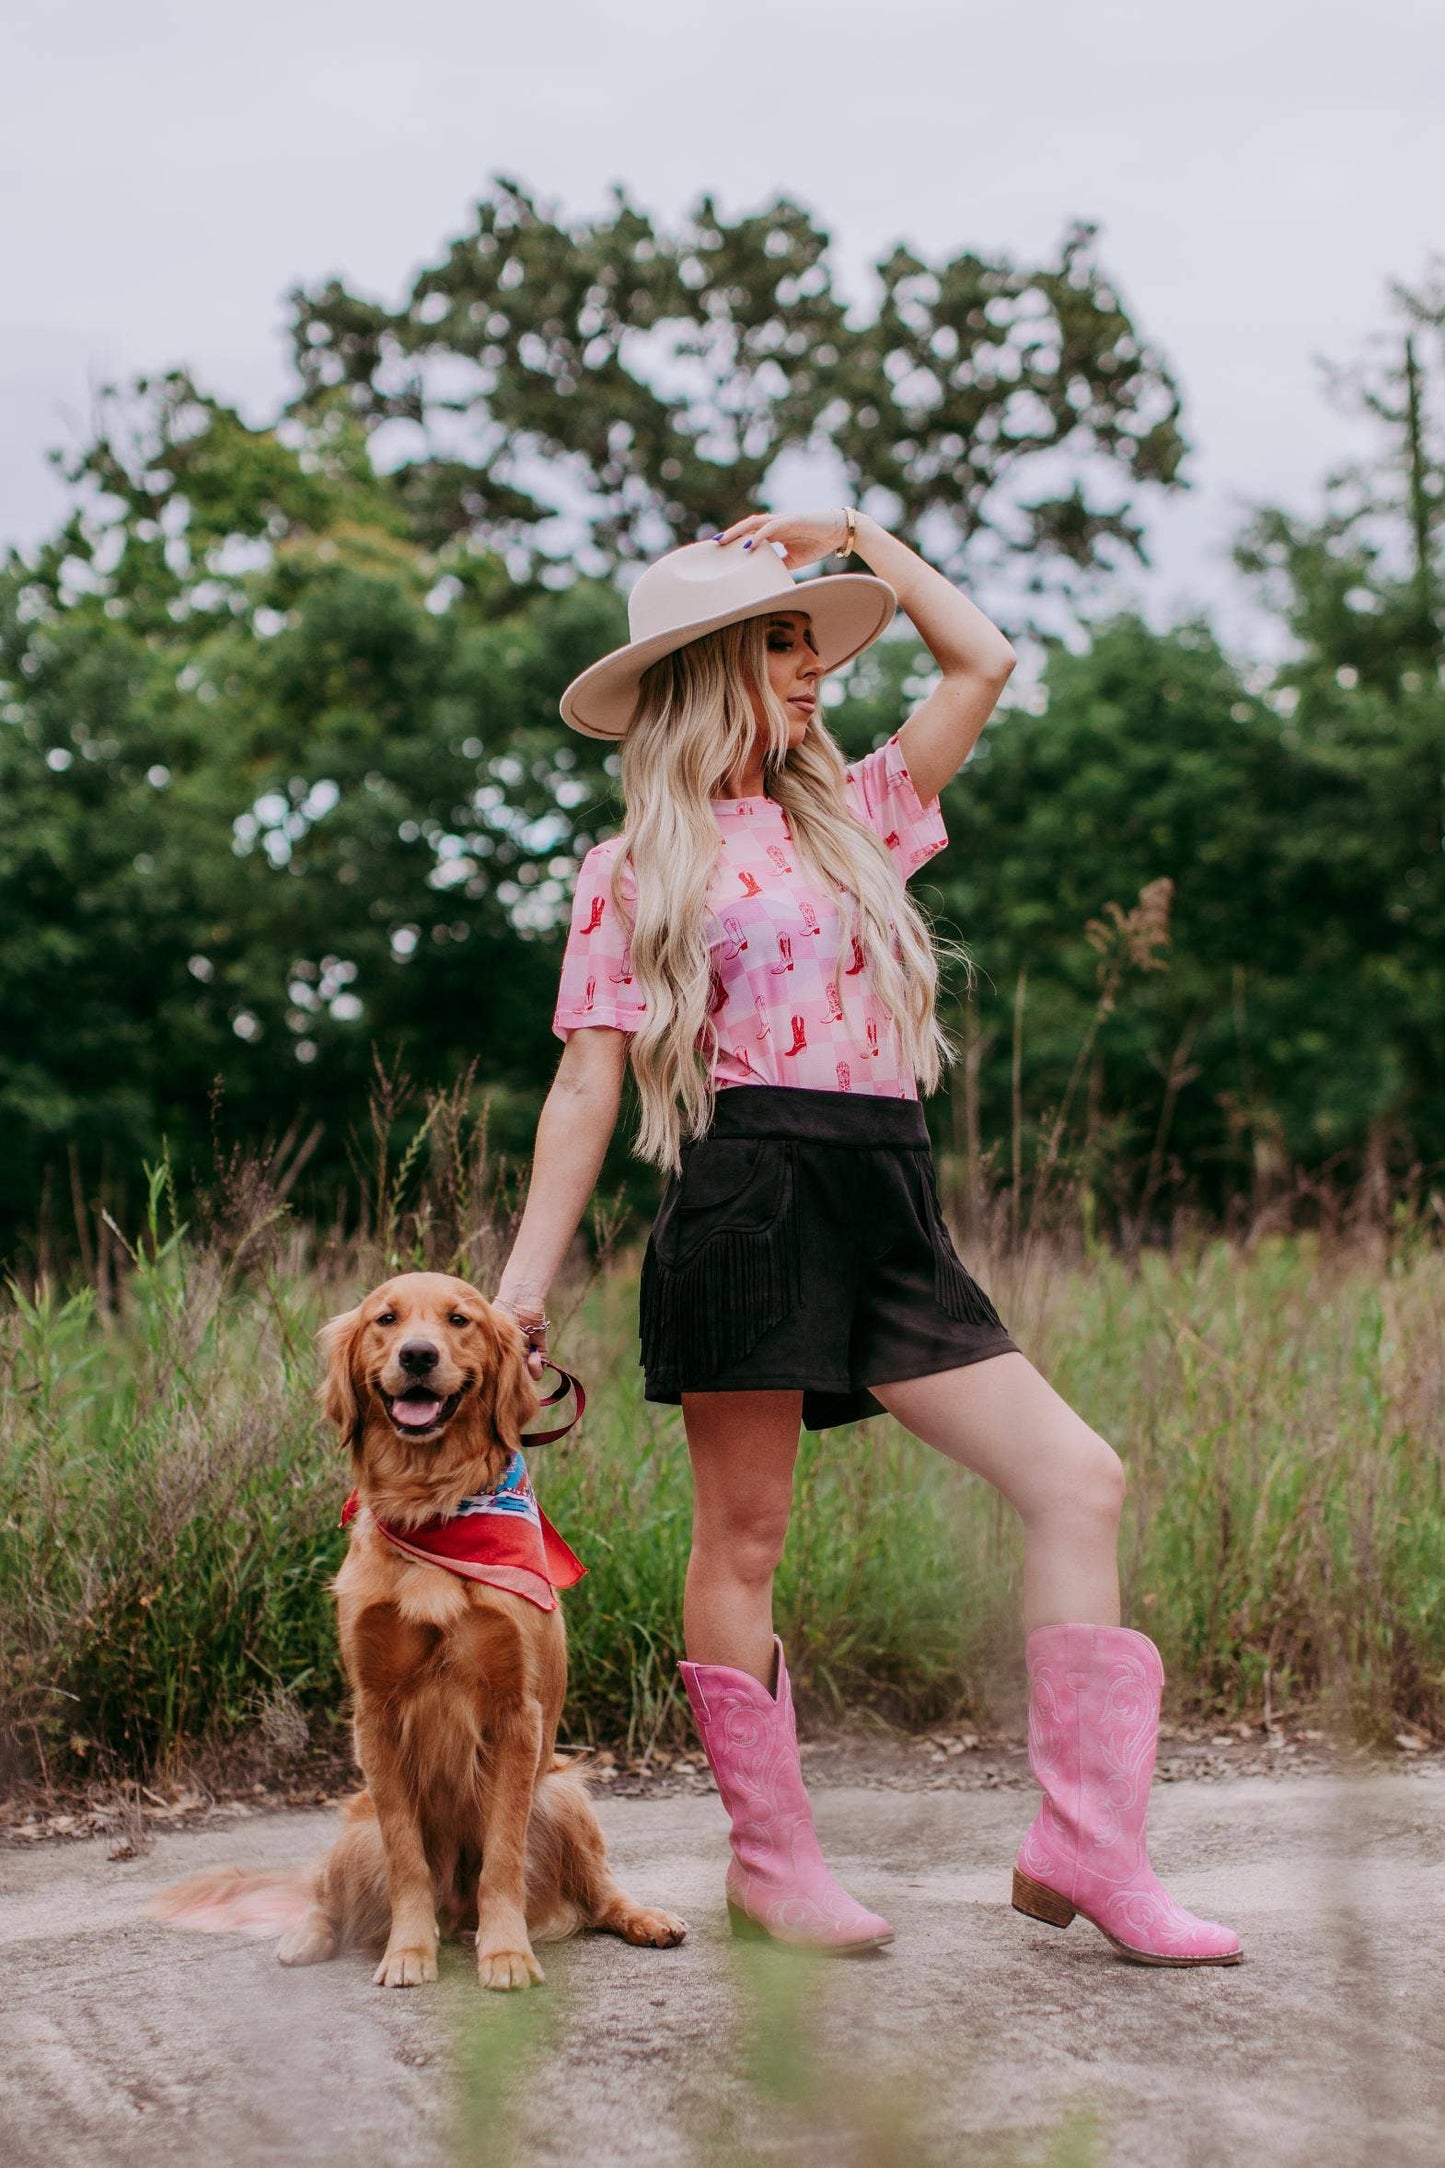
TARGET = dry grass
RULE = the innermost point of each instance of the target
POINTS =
(169, 1498)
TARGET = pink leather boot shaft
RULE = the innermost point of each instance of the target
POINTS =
(777, 1882)
(1094, 1694)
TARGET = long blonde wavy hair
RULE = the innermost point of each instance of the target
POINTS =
(692, 729)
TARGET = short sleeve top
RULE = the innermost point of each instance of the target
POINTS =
(788, 1005)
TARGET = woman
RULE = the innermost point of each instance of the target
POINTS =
(749, 942)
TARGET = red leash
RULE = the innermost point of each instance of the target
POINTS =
(568, 1384)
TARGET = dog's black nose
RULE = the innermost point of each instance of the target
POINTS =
(417, 1356)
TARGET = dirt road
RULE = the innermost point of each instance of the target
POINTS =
(124, 2044)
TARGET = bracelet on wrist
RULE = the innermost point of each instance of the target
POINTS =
(516, 1304)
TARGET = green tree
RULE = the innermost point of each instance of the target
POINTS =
(282, 784)
(1146, 759)
(1361, 590)
(283, 780)
(279, 787)
(1361, 584)
(604, 390)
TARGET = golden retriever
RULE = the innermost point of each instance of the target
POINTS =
(469, 1819)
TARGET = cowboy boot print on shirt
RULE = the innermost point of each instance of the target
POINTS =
(589, 1000)
(623, 975)
(810, 917)
(873, 1038)
(785, 952)
(779, 858)
(717, 994)
(835, 1006)
(736, 940)
(800, 1037)
(857, 964)
(765, 1022)
(845, 1077)
(750, 886)
(599, 906)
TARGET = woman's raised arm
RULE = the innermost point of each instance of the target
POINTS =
(973, 655)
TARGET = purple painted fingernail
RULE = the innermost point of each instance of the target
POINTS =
(749, 543)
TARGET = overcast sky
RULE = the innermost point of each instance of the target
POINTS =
(1259, 169)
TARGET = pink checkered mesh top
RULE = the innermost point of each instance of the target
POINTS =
(789, 1006)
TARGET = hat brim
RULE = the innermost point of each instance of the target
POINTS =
(848, 610)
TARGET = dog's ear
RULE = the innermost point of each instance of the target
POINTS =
(340, 1400)
(510, 1387)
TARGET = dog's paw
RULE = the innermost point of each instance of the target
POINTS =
(506, 1969)
(659, 1930)
(310, 1942)
(405, 1967)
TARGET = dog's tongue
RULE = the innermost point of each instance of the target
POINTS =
(416, 1414)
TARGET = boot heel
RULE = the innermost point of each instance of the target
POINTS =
(1038, 1903)
(744, 1926)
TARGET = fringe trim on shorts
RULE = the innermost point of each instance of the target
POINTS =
(954, 1286)
(716, 1307)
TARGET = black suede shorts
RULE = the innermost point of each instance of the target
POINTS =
(801, 1246)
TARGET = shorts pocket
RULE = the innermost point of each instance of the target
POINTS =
(954, 1287)
(729, 1185)
(722, 1264)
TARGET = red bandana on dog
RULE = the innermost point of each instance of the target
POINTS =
(501, 1536)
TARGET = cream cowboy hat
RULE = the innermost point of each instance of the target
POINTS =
(706, 585)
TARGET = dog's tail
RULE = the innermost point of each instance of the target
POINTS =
(237, 1900)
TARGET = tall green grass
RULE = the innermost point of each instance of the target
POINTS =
(169, 1498)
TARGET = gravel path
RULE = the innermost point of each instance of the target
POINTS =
(978, 2037)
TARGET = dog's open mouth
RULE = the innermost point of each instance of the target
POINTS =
(419, 1411)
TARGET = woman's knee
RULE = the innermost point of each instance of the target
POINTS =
(1084, 1483)
(1101, 1480)
(746, 1544)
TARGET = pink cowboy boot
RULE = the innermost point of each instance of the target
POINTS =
(1093, 1733)
(777, 1883)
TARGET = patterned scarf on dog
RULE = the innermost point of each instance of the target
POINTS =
(501, 1536)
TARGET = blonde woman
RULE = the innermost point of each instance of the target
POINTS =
(749, 943)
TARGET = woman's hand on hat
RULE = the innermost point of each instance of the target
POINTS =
(806, 537)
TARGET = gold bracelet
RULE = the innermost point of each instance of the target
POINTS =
(850, 539)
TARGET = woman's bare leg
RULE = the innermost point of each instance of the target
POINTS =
(1006, 1423)
(743, 1446)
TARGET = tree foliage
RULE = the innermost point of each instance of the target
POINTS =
(277, 788)
(614, 388)
(283, 790)
(1301, 819)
